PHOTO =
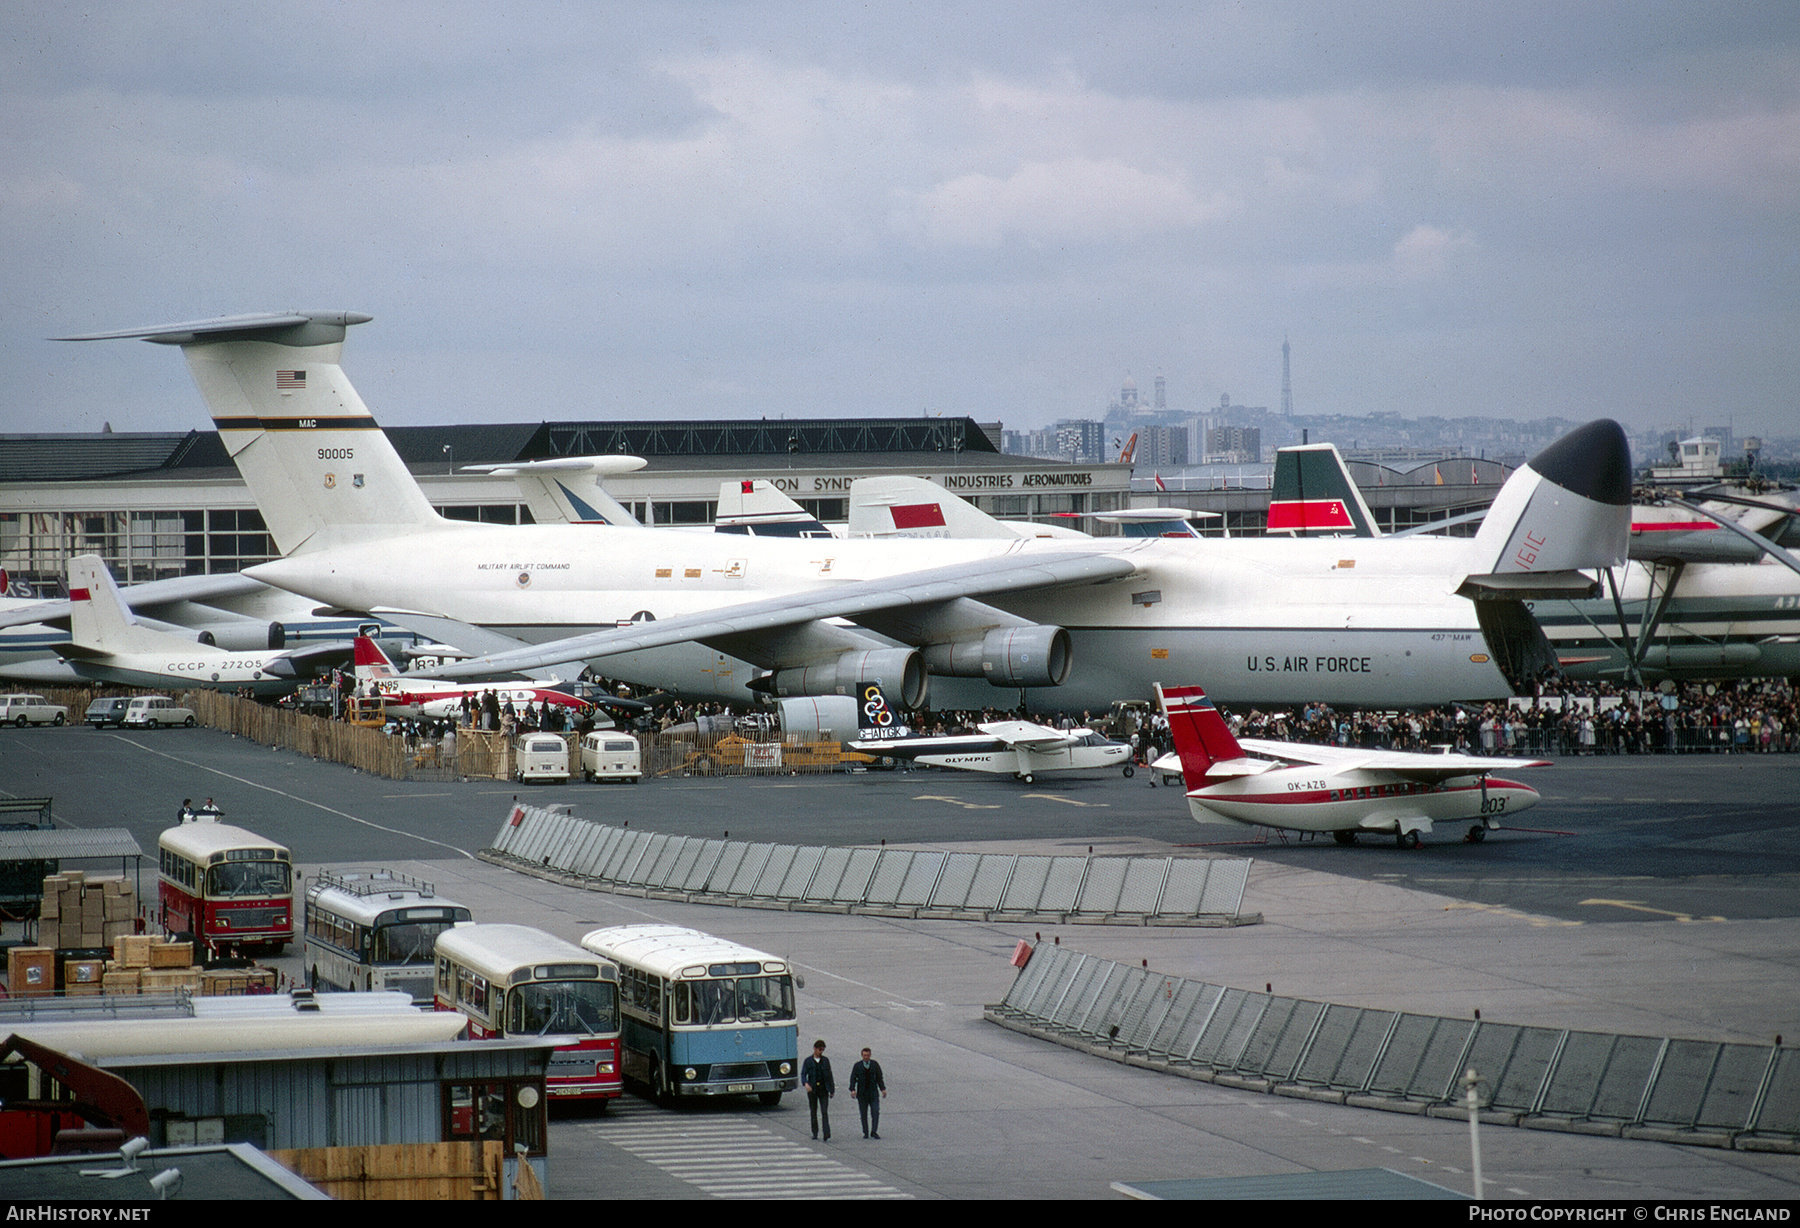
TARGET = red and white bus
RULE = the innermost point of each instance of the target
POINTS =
(230, 888)
(512, 980)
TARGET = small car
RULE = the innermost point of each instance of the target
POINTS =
(108, 710)
(542, 757)
(145, 711)
(23, 710)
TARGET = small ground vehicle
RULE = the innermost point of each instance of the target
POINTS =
(145, 711)
(107, 711)
(23, 710)
(541, 757)
(607, 754)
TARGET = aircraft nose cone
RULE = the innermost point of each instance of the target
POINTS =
(1593, 461)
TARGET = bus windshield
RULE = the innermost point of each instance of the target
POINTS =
(407, 942)
(744, 999)
(245, 878)
(544, 1007)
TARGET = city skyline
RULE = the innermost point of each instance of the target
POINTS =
(586, 211)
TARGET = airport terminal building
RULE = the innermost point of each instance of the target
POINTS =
(161, 504)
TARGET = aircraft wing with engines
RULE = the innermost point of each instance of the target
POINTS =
(851, 600)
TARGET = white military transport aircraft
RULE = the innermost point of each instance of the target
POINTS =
(1299, 787)
(1072, 623)
(1023, 749)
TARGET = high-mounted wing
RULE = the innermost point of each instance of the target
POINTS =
(1420, 767)
(918, 588)
(1028, 735)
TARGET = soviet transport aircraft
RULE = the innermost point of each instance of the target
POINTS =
(1072, 624)
(108, 644)
(1706, 593)
(1344, 791)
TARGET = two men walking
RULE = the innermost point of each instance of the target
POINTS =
(867, 1086)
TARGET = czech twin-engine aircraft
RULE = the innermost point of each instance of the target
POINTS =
(414, 698)
(1072, 623)
(1344, 791)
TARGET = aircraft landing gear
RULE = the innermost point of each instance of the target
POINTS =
(1129, 771)
(1407, 839)
(1477, 833)
(1344, 837)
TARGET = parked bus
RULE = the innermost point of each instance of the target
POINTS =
(702, 1016)
(512, 980)
(375, 929)
(231, 889)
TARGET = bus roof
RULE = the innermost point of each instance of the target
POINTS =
(497, 951)
(199, 841)
(364, 895)
(673, 951)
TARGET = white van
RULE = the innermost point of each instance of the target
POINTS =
(607, 754)
(541, 756)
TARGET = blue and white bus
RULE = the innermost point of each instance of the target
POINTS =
(702, 1016)
(375, 929)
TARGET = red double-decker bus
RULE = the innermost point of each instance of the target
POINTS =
(230, 888)
(512, 980)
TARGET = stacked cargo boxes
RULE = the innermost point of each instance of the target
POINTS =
(84, 912)
(82, 917)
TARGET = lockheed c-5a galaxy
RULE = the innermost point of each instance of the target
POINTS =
(1072, 624)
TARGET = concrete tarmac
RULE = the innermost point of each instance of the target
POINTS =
(1664, 917)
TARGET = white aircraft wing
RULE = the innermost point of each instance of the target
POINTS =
(975, 579)
(1416, 766)
(1028, 735)
(201, 589)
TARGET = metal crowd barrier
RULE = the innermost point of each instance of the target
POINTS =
(894, 882)
(1706, 1093)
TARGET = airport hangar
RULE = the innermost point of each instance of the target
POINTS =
(161, 504)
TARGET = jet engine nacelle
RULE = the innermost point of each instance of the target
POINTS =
(1007, 656)
(246, 636)
(832, 718)
(900, 670)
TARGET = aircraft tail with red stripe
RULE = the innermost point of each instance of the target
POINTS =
(1201, 736)
(371, 662)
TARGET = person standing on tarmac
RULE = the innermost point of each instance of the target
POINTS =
(815, 1077)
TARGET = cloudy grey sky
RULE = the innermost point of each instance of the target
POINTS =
(721, 209)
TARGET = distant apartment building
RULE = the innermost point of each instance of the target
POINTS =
(1234, 445)
(1161, 447)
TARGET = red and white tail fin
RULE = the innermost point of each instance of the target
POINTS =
(1201, 736)
(371, 662)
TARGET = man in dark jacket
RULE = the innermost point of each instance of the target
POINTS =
(815, 1077)
(869, 1090)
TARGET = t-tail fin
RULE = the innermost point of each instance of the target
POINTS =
(915, 507)
(319, 467)
(758, 508)
(568, 489)
(371, 662)
(1567, 509)
(99, 622)
(1201, 736)
(1313, 495)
